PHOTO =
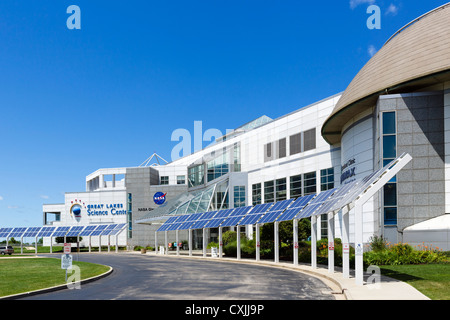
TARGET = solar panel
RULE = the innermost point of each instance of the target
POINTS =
(275, 211)
(4, 232)
(203, 220)
(32, 232)
(98, 231)
(235, 216)
(74, 231)
(335, 199)
(257, 212)
(60, 231)
(118, 229)
(218, 218)
(295, 208)
(314, 204)
(17, 232)
(87, 230)
(46, 231)
(108, 229)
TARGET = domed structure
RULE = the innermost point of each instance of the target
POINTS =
(415, 57)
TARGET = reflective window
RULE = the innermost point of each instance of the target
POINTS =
(309, 182)
(296, 186)
(239, 196)
(280, 189)
(256, 194)
(326, 179)
(268, 191)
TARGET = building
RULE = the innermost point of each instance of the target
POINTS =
(398, 102)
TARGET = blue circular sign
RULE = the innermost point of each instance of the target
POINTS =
(76, 210)
(159, 198)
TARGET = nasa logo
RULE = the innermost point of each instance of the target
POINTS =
(159, 198)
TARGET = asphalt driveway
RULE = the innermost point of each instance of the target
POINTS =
(147, 277)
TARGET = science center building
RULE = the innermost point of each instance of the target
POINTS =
(399, 102)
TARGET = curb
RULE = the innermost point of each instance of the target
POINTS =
(56, 288)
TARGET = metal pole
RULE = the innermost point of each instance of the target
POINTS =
(314, 242)
(176, 239)
(220, 243)
(295, 227)
(156, 242)
(238, 249)
(190, 242)
(258, 243)
(359, 249)
(166, 242)
(276, 241)
(204, 242)
(330, 223)
(345, 244)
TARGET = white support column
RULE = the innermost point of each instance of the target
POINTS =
(166, 242)
(176, 239)
(99, 243)
(190, 242)
(51, 245)
(117, 243)
(314, 242)
(276, 242)
(359, 247)
(156, 242)
(35, 247)
(90, 246)
(220, 243)
(258, 242)
(205, 243)
(295, 227)
(238, 245)
(345, 244)
(109, 244)
(21, 244)
(330, 221)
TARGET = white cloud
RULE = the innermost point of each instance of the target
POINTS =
(1, 198)
(355, 3)
(371, 50)
(392, 10)
(13, 207)
(43, 196)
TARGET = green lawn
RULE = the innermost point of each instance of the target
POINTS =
(28, 274)
(433, 280)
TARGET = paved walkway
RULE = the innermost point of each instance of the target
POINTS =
(386, 289)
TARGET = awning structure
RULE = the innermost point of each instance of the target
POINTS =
(64, 231)
(342, 199)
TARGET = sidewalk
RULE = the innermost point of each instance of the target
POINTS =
(343, 289)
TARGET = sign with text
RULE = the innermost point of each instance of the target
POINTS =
(67, 248)
(66, 261)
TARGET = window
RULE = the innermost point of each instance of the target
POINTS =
(164, 180)
(196, 176)
(280, 193)
(237, 158)
(309, 181)
(218, 166)
(282, 148)
(326, 179)
(239, 196)
(267, 152)
(296, 186)
(389, 152)
(256, 194)
(181, 180)
(295, 144)
(309, 139)
(268, 191)
(130, 215)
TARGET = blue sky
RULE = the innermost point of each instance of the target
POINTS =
(112, 93)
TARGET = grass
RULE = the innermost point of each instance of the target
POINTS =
(433, 280)
(29, 274)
